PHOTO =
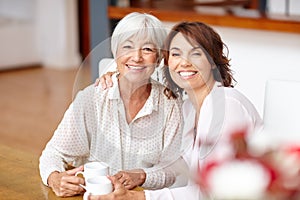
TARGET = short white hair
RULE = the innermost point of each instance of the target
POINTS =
(141, 25)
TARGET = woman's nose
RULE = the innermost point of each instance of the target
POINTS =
(137, 55)
(184, 62)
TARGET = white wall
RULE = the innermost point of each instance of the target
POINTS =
(280, 6)
(18, 9)
(54, 41)
(57, 33)
(257, 56)
(260, 55)
(17, 33)
(39, 32)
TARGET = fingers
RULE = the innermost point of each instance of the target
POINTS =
(69, 189)
(97, 81)
(108, 78)
(75, 180)
(65, 185)
(122, 177)
(105, 80)
(72, 172)
(116, 183)
(125, 180)
(101, 81)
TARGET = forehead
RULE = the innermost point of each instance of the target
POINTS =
(138, 42)
(180, 42)
(139, 38)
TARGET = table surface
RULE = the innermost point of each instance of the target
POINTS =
(20, 179)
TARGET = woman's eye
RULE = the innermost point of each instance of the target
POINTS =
(175, 54)
(147, 49)
(196, 54)
(127, 47)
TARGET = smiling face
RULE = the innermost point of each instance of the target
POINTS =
(136, 59)
(188, 64)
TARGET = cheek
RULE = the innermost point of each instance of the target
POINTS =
(152, 60)
(172, 63)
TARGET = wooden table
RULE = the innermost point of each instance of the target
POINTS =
(20, 179)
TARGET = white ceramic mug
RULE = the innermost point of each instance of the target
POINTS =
(93, 169)
(98, 185)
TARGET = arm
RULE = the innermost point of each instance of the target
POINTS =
(163, 173)
(69, 144)
(191, 192)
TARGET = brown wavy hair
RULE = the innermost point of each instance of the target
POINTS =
(212, 45)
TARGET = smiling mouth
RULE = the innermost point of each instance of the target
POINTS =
(135, 67)
(187, 74)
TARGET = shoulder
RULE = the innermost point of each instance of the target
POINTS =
(83, 93)
(237, 104)
(91, 93)
(233, 101)
(236, 110)
(235, 97)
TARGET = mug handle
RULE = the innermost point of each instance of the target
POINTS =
(84, 187)
(77, 173)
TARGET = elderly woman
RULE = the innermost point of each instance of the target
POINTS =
(133, 126)
(213, 112)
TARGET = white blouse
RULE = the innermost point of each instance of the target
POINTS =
(224, 111)
(94, 128)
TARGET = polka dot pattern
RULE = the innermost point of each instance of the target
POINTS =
(94, 128)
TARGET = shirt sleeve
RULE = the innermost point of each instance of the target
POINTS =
(69, 144)
(163, 174)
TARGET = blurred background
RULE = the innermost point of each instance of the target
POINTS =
(46, 45)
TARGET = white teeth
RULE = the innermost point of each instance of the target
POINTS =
(135, 67)
(186, 73)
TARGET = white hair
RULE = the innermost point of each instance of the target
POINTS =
(140, 25)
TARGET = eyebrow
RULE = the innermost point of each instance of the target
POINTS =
(195, 48)
(146, 43)
(128, 41)
(176, 48)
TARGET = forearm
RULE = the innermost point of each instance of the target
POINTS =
(159, 177)
(49, 164)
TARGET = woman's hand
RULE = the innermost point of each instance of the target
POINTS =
(131, 178)
(119, 193)
(65, 184)
(105, 80)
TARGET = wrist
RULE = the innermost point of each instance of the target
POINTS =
(137, 195)
(51, 178)
(142, 177)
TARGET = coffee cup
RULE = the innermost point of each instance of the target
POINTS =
(93, 169)
(98, 185)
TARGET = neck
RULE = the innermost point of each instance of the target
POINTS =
(134, 91)
(197, 95)
(134, 97)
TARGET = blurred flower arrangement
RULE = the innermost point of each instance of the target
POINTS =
(273, 174)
